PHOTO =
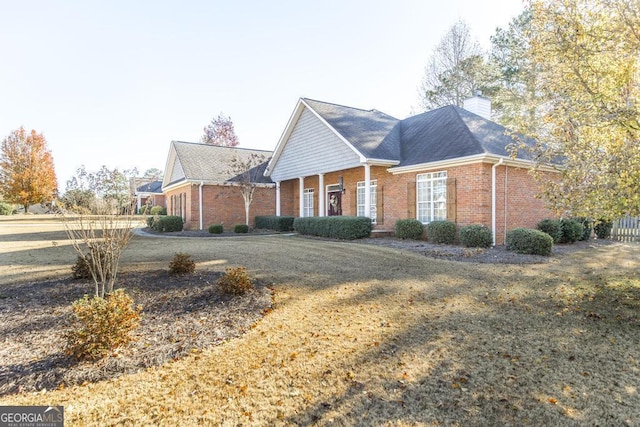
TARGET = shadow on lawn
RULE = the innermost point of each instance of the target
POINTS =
(532, 352)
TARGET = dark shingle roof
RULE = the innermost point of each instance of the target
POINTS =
(449, 133)
(366, 130)
(442, 134)
(212, 163)
(150, 187)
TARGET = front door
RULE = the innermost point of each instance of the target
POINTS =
(335, 203)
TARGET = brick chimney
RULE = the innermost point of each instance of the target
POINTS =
(479, 105)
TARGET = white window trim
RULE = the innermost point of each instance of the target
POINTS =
(430, 178)
(307, 204)
(374, 199)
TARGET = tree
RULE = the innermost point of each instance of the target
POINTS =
(27, 174)
(220, 132)
(456, 69)
(247, 172)
(586, 52)
(516, 99)
(153, 174)
(101, 238)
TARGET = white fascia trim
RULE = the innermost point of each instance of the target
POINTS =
(477, 158)
(297, 111)
(342, 138)
(381, 162)
(168, 167)
(188, 182)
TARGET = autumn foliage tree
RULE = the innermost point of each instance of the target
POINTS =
(27, 173)
(220, 132)
(587, 56)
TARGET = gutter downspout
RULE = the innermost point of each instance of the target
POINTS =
(493, 199)
(200, 206)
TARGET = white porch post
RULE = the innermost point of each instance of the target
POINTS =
(367, 190)
(277, 198)
(139, 202)
(321, 208)
(301, 196)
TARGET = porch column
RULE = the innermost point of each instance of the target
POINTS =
(277, 198)
(321, 192)
(367, 191)
(301, 196)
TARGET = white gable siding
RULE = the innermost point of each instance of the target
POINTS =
(177, 173)
(312, 148)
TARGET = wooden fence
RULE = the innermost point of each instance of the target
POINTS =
(626, 229)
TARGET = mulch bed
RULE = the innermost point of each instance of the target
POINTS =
(181, 314)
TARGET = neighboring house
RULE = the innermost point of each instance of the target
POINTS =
(200, 185)
(448, 163)
(149, 194)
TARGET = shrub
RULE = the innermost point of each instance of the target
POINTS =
(335, 227)
(81, 268)
(603, 228)
(235, 281)
(529, 241)
(409, 229)
(216, 229)
(552, 228)
(571, 230)
(274, 222)
(100, 325)
(6, 208)
(241, 228)
(167, 223)
(476, 236)
(587, 228)
(441, 232)
(158, 210)
(182, 264)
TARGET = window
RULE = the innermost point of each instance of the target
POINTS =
(431, 195)
(374, 202)
(307, 202)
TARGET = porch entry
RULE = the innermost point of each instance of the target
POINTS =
(334, 198)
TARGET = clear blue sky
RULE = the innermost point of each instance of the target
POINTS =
(114, 82)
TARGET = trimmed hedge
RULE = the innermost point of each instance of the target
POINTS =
(603, 228)
(166, 223)
(552, 228)
(216, 229)
(529, 241)
(274, 222)
(476, 236)
(409, 229)
(571, 230)
(335, 227)
(241, 228)
(158, 210)
(6, 209)
(441, 232)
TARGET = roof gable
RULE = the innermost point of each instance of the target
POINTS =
(190, 161)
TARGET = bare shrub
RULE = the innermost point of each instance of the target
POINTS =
(182, 264)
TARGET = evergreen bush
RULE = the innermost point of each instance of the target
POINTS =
(167, 223)
(241, 228)
(552, 228)
(274, 222)
(158, 210)
(529, 241)
(6, 209)
(603, 228)
(216, 229)
(335, 227)
(409, 229)
(571, 230)
(441, 232)
(476, 236)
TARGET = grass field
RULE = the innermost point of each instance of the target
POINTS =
(369, 335)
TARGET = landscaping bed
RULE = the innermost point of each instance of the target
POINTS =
(181, 314)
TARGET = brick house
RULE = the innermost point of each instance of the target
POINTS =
(449, 163)
(200, 186)
(148, 193)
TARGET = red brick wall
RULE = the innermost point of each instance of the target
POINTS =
(473, 195)
(221, 205)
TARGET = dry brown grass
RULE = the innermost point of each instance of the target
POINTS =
(369, 335)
